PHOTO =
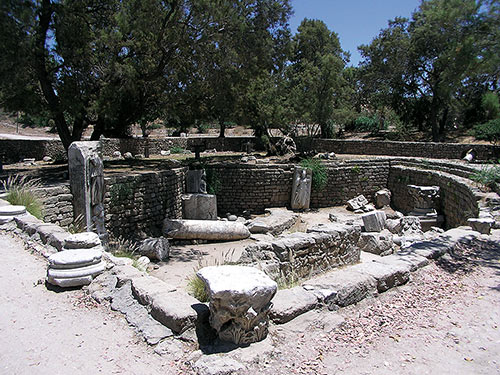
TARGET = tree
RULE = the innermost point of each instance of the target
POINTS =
(315, 75)
(113, 63)
(428, 59)
(248, 41)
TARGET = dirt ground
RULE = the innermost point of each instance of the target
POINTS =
(445, 321)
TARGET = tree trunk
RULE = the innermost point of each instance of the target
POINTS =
(433, 119)
(222, 125)
(444, 119)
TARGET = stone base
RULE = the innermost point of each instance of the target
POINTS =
(199, 206)
(428, 218)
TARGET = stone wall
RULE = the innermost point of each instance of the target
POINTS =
(257, 187)
(458, 196)
(136, 205)
(16, 150)
(392, 148)
(350, 179)
(58, 204)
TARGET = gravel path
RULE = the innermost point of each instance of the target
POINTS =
(46, 332)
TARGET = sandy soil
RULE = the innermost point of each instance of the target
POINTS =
(49, 332)
(445, 321)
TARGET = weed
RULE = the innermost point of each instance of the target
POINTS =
(196, 286)
(78, 225)
(123, 248)
(20, 191)
(120, 192)
(319, 173)
(290, 280)
(356, 169)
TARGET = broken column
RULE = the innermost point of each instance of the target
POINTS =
(211, 230)
(301, 189)
(79, 261)
(240, 302)
(86, 175)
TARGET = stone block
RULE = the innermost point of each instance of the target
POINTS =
(290, 303)
(199, 206)
(342, 288)
(175, 310)
(376, 243)
(386, 275)
(482, 225)
(382, 198)
(374, 221)
(155, 248)
(146, 288)
(357, 203)
(76, 258)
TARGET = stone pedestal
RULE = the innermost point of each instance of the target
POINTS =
(199, 206)
(301, 189)
(240, 302)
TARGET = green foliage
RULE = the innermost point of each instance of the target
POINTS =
(490, 105)
(319, 173)
(424, 66)
(214, 184)
(488, 177)
(21, 191)
(367, 124)
(356, 169)
(177, 150)
(489, 131)
(123, 248)
(34, 120)
(196, 287)
(288, 280)
(121, 191)
(78, 225)
(315, 75)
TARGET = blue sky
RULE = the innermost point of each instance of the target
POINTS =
(355, 21)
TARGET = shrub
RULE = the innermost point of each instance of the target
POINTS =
(20, 191)
(176, 150)
(367, 124)
(489, 131)
(319, 175)
(488, 177)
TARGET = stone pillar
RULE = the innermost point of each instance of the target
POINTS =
(301, 189)
(240, 301)
(86, 175)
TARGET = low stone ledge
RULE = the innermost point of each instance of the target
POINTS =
(175, 310)
(290, 303)
(342, 288)
(387, 275)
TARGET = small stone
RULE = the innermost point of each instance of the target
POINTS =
(117, 154)
(357, 203)
(382, 198)
(374, 221)
(164, 153)
(155, 248)
(332, 218)
(47, 159)
(128, 155)
(482, 225)
(139, 156)
(232, 218)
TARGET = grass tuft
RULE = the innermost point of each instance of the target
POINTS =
(21, 191)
